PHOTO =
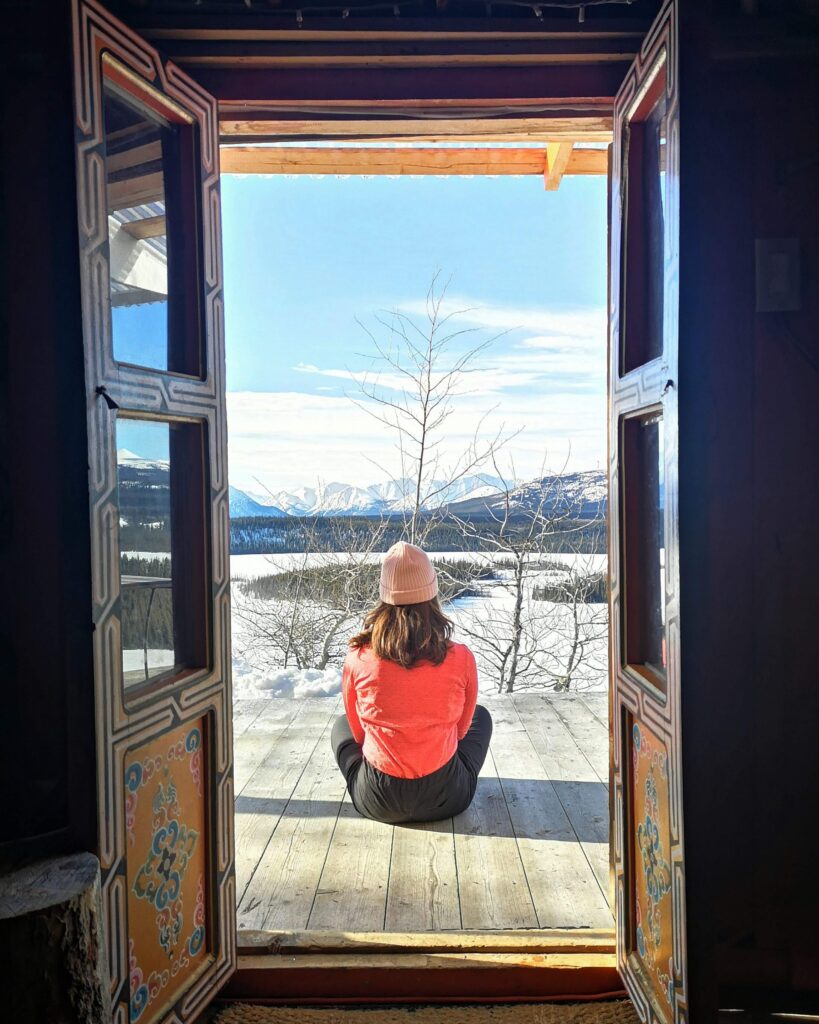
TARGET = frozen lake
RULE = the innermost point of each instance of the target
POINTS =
(553, 630)
(250, 566)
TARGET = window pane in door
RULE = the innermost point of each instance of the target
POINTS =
(645, 217)
(644, 546)
(162, 550)
(152, 247)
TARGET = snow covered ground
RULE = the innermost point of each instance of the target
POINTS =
(256, 675)
(258, 681)
(253, 676)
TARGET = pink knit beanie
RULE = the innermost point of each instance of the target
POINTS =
(407, 575)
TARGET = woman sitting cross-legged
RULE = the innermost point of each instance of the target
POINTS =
(413, 740)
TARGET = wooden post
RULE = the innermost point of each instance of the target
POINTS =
(52, 947)
(557, 160)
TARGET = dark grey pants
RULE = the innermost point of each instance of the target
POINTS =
(443, 793)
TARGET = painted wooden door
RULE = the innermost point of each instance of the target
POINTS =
(647, 832)
(149, 228)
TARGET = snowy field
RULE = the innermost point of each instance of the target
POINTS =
(552, 629)
(554, 625)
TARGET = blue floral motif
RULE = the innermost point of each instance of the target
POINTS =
(655, 866)
(635, 732)
(641, 941)
(139, 1000)
(193, 741)
(159, 880)
(164, 797)
(196, 939)
(133, 776)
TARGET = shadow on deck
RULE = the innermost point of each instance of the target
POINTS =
(530, 852)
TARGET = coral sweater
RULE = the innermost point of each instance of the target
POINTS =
(409, 720)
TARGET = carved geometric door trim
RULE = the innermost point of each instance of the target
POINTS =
(646, 794)
(149, 224)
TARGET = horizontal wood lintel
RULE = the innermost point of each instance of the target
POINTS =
(403, 160)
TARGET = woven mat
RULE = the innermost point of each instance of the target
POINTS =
(619, 1012)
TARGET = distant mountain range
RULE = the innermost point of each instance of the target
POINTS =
(584, 494)
(342, 499)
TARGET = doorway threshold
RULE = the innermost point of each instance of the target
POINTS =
(520, 941)
(316, 968)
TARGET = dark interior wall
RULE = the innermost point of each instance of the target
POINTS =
(46, 724)
(749, 494)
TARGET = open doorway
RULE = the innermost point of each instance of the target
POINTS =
(513, 513)
(155, 134)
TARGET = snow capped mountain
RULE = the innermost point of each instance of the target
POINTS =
(125, 457)
(392, 496)
(242, 505)
(581, 494)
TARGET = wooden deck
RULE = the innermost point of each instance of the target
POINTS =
(530, 852)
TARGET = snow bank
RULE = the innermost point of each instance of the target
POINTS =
(251, 681)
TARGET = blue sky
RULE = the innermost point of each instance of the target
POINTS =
(304, 257)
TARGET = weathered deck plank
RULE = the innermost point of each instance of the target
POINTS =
(352, 890)
(530, 852)
(583, 796)
(253, 744)
(599, 704)
(492, 884)
(423, 885)
(283, 887)
(588, 732)
(561, 880)
(245, 714)
(265, 795)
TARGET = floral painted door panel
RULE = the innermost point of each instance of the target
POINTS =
(166, 823)
(148, 217)
(651, 838)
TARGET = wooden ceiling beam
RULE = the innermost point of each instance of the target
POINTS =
(146, 188)
(558, 158)
(286, 127)
(146, 227)
(404, 160)
(135, 156)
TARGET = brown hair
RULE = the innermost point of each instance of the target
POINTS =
(406, 633)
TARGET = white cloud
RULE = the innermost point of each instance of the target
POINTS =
(292, 439)
(569, 348)
(572, 325)
(545, 378)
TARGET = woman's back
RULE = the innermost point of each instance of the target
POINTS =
(409, 720)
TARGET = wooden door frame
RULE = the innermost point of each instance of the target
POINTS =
(547, 964)
(645, 703)
(517, 102)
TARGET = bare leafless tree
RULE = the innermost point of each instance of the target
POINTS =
(419, 370)
(297, 616)
(524, 640)
(574, 617)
